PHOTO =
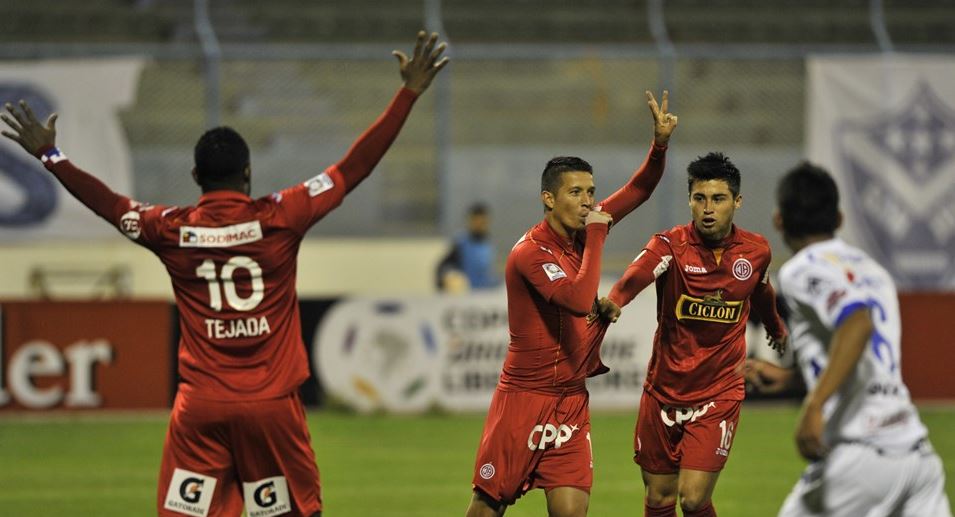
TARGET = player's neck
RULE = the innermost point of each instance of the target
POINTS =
(797, 243)
(564, 232)
(226, 188)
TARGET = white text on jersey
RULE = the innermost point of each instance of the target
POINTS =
(229, 329)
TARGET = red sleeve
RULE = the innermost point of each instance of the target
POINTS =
(649, 265)
(84, 187)
(763, 303)
(138, 221)
(368, 149)
(640, 186)
(577, 294)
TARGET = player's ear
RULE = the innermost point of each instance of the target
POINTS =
(738, 201)
(548, 199)
(778, 221)
(195, 177)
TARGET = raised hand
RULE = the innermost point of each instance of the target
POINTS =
(418, 71)
(27, 130)
(663, 122)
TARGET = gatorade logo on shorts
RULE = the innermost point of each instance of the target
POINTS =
(190, 493)
(267, 497)
(544, 434)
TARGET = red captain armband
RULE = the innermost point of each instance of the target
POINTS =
(52, 155)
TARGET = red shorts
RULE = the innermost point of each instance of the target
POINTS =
(218, 455)
(532, 440)
(668, 439)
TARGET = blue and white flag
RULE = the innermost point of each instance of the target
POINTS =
(88, 95)
(885, 127)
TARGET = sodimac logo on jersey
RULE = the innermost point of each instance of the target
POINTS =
(224, 237)
(712, 307)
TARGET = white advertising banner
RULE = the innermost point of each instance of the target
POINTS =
(408, 355)
(885, 127)
(88, 96)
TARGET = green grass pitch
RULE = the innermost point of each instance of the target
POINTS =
(106, 465)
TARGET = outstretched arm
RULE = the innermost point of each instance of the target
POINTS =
(768, 378)
(39, 139)
(417, 73)
(636, 191)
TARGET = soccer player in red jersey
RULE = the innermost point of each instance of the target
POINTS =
(708, 274)
(537, 432)
(238, 431)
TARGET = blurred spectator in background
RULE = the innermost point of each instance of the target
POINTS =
(469, 263)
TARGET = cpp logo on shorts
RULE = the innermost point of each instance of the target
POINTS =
(549, 434)
(742, 269)
(190, 493)
(487, 471)
(683, 414)
(267, 497)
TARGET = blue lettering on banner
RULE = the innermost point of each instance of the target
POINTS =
(24, 173)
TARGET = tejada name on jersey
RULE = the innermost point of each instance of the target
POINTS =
(228, 329)
(711, 307)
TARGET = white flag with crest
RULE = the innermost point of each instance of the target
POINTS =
(885, 127)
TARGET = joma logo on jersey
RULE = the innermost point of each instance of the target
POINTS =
(711, 307)
(224, 237)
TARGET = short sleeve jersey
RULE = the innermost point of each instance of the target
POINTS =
(703, 303)
(232, 261)
(823, 284)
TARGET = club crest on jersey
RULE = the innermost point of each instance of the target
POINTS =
(319, 184)
(487, 471)
(742, 269)
(711, 307)
(553, 271)
(224, 237)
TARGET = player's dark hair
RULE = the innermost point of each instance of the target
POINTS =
(221, 155)
(808, 201)
(713, 166)
(550, 179)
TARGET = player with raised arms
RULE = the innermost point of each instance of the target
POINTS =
(237, 435)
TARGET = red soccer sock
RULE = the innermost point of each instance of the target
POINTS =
(706, 511)
(659, 511)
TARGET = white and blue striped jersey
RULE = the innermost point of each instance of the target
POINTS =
(823, 284)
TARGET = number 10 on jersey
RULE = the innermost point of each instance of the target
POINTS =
(221, 282)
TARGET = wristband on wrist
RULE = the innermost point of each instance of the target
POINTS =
(52, 155)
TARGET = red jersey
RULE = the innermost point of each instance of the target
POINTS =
(232, 262)
(551, 287)
(703, 302)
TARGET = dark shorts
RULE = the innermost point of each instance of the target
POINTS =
(221, 457)
(531, 441)
(668, 439)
